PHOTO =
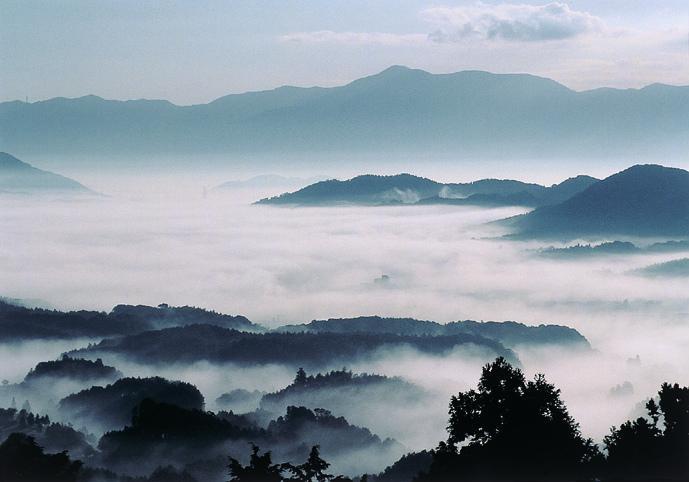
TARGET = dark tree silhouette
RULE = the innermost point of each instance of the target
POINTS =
(22, 459)
(313, 470)
(648, 449)
(300, 379)
(260, 468)
(511, 429)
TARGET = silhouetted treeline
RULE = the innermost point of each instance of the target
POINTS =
(21, 459)
(193, 343)
(261, 469)
(514, 429)
(18, 322)
(54, 437)
(655, 446)
(509, 333)
(304, 383)
(75, 368)
(111, 406)
(509, 428)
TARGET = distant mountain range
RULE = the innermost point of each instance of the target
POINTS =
(19, 177)
(397, 112)
(409, 189)
(644, 200)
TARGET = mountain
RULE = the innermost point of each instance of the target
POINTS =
(644, 200)
(74, 368)
(19, 177)
(397, 112)
(366, 189)
(508, 333)
(408, 189)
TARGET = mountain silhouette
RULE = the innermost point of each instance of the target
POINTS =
(644, 200)
(397, 112)
(409, 189)
(19, 177)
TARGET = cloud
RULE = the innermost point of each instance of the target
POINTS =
(508, 22)
(515, 23)
(353, 38)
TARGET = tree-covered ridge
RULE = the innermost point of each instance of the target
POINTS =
(75, 368)
(163, 316)
(18, 322)
(508, 333)
(166, 433)
(334, 378)
(613, 248)
(344, 392)
(52, 436)
(111, 406)
(213, 343)
(409, 189)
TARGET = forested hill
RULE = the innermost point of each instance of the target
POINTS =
(208, 342)
(509, 333)
(18, 322)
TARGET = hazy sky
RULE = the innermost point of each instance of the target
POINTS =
(191, 52)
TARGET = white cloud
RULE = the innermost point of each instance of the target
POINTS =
(353, 38)
(519, 23)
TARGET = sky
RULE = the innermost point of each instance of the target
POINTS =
(194, 52)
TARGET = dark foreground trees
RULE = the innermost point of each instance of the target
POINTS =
(21, 459)
(515, 429)
(655, 447)
(511, 429)
(262, 469)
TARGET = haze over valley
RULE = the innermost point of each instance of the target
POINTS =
(392, 242)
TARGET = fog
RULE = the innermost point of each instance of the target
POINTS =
(279, 265)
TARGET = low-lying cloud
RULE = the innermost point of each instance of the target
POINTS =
(353, 38)
(506, 22)
(286, 265)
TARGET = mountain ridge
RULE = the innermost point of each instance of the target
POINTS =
(405, 188)
(398, 112)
